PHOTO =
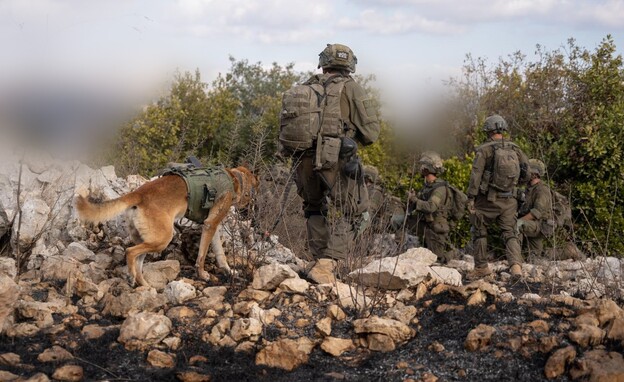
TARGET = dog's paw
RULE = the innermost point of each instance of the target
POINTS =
(203, 275)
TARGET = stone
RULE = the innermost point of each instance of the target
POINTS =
(10, 359)
(178, 292)
(615, 330)
(557, 362)
(8, 376)
(477, 298)
(539, 326)
(607, 310)
(172, 343)
(161, 359)
(479, 337)
(337, 346)
(396, 272)
(121, 300)
(295, 285)
(254, 294)
(349, 296)
(245, 328)
(35, 216)
(268, 277)
(143, 330)
(215, 292)
(8, 267)
(323, 272)
(54, 354)
(69, 373)
(9, 293)
(93, 331)
(401, 312)
(159, 273)
(599, 365)
(265, 316)
(287, 354)
(587, 319)
(395, 330)
(335, 313)
(192, 376)
(324, 326)
(611, 270)
(587, 335)
(380, 342)
(445, 275)
(181, 313)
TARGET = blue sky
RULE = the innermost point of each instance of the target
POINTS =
(138, 43)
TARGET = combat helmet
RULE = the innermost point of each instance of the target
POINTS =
(337, 56)
(538, 167)
(371, 173)
(495, 123)
(432, 162)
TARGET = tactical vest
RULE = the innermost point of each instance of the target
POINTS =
(203, 185)
(425, 194)
(311, 111)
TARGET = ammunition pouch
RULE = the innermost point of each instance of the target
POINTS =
(329, 153)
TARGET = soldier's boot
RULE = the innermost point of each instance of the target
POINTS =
(479, 273)
(516, 271)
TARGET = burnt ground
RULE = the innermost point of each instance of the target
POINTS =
(106, 359)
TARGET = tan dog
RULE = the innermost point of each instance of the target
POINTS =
(158, 204)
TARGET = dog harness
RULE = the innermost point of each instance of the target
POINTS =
(203, 185)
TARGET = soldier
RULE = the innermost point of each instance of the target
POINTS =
(328, 172)
(535, 214)
(497, 168)
(430, 212)
(375, 191)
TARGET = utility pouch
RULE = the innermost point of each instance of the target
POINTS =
(548, 227)
(209, 197)
(330, 152)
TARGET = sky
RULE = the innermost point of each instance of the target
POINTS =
(127, 45)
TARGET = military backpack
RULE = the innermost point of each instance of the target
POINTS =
(456, 201)
(504, 167)
(311, 111)
(562, 211)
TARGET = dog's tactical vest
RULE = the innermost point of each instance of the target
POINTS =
(202, 185)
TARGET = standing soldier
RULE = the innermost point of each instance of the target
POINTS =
(535, 214)
(430, 212)
(322, 122)
(375, 192)
(497, 168)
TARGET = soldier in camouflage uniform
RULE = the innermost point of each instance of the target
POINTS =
(535, 214)
(429, 216)
(492, 195)
(335, 198)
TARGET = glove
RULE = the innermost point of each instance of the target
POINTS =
(471, 207)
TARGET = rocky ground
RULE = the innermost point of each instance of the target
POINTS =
(71, 315)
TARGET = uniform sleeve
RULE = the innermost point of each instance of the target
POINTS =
(436, 201)
(362, 114)
(478, 167)
(542, 204)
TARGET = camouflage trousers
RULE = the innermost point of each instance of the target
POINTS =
(434, 235)
(333, 204)
(503, 212)
(531, 231)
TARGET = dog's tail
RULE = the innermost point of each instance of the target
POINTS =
(104, 211)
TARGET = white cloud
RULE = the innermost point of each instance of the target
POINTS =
(467, 13)
(397, 23)
(268, 21)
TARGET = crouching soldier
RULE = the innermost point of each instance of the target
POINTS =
(429, 207)
(535, 214)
